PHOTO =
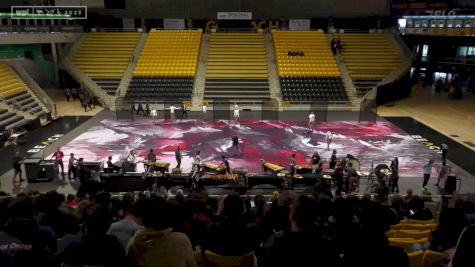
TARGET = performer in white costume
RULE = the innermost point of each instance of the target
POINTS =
(311, 121)
(153, 114)
(205, 109)
(172, 112)
(236, 112)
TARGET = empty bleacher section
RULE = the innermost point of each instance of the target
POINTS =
(104, 57)
(237, 68)
(307, 69)
(9, 120)
(167, 66)
(13, 92)
(369, 57)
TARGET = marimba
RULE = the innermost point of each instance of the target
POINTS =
(158, 166)
(272, 167)
(214, 168)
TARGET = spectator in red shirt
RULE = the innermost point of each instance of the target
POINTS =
(58, 156)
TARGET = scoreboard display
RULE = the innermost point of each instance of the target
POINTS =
(49, 12)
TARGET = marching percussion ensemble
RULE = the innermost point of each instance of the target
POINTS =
(347, 169)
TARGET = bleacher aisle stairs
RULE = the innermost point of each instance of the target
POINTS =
(104, 57)
(18, 105)
(369, 58)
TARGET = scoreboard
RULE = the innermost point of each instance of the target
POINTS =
(48, 12)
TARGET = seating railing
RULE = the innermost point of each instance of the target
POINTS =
(236, 30)
(15, 29)
(116, 30)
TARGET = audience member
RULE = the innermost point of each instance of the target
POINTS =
(22, 242)
(452, 221)
(158, 244)
(292, 231)
(464, 250)
(231, 236)
(124, 229)
(418, 210)
(95, 248)
(304, 243)
(54, 213)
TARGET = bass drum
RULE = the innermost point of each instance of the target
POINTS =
(354, 162)
(381, 171)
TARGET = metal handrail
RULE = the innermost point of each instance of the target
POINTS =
(88, 83)
(15, 29)
(236, 30)
(467, 61)
(116, 29)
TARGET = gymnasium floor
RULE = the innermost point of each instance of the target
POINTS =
(424, 102)
(452, 118)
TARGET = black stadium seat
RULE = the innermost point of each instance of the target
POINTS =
(310, 89)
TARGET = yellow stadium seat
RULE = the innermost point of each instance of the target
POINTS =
(409, 221)
(396, 227)
(215, 260)
(415, 258)
(104, 54)
(415, 234)
(432, 259)
(169, 53)
(391, 233)
(419, 227)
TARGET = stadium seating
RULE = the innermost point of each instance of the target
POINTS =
(306, 67)
(369, 57)
(104, 57)
(415, 258)
(10, 120)
(167, 66)
(237, 68)
(13, 92)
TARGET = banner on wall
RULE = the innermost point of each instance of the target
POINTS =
(88, 3)
(234, 15)
(299, 24)
(174, 24)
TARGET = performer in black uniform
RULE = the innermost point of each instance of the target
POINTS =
(225, 163)
(237, 150)
(184, 113)
(315, 158)
(333, 160)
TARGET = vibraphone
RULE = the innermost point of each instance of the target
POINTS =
(307, 168)
(158, 166)
(214, 168)
(273, 168)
